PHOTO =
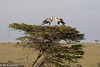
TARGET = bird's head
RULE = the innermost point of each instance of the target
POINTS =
(56, 17)
(51, 17)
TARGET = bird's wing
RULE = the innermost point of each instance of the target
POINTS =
(44, 21)
(61, 19)
(48, 19)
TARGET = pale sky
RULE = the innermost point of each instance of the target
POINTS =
(81, 14)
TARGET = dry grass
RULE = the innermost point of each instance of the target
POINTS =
(92, 55)
(17, 55)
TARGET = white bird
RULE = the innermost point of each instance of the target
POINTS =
(48, 20)
(59, 20)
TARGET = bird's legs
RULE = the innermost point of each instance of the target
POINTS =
(49, 23)
(58, 23)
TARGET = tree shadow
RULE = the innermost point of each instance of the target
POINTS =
(98, 64)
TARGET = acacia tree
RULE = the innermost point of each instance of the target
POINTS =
(46, 40)
(96, 41)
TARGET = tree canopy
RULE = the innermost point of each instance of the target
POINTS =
(46, 39)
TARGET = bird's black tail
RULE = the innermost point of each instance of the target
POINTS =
(63, 23)
(43, 23)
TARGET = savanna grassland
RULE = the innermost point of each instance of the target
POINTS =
(91, 56)
(10, 54)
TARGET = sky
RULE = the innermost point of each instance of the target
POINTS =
(81, 14)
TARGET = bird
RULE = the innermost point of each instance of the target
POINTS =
(59, 20)
(48, 20)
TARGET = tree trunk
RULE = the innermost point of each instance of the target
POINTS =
(40, 64)
(40, 54)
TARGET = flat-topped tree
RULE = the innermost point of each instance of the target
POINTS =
(46, 39)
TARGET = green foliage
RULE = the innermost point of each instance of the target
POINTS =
(47, 39)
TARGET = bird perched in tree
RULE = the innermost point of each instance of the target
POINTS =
(59, 20)
(48, 20)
